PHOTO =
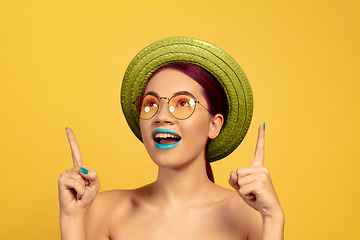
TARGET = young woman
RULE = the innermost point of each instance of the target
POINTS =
(181, 111)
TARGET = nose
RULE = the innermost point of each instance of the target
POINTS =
(163, 115)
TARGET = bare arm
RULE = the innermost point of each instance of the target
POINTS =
(274, 227)
(72, 228)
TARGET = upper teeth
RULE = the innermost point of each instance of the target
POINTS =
(165, 135)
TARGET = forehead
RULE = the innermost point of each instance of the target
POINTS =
(170, 81)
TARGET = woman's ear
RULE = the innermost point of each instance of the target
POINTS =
(215, 125)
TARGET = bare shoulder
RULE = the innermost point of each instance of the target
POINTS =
(109, 208)
(238, 214)
(109, 202)
(109, 198)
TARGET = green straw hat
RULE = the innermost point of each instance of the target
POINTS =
(218, 63)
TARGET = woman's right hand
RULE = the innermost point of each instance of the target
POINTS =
(78, 186)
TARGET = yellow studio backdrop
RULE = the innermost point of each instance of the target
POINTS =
(62, 63)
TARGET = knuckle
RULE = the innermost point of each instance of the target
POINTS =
(242, 192)
(63, 176)
(73, 182)
(74, 169)
(259, 184)
(263, 177)
(266, 170)
(76, 183)
(60, 180)
(78, 177)
(239, 182)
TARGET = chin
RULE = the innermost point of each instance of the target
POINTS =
(173, 158)
(166, 159)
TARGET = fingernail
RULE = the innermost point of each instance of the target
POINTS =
(264, 126)
(84, 170)
(230, 174)
(79, 198)
(66, 128)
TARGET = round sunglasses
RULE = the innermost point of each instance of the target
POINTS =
(180, 106)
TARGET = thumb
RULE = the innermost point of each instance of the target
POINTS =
(233, 181)
(92, 185)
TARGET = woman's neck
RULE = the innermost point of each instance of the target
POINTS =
(184, 185)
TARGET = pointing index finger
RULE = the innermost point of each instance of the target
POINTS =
(260, 147)
(75, 149)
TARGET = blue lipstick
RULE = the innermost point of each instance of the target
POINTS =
(165, 146)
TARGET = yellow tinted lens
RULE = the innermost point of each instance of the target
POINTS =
(146, 106)
(181, 106)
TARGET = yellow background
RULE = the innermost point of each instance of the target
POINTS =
(62, 62)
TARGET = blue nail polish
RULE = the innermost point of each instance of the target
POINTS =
(264, 126)
(230, 174)
(84, 170)
(66, 128)
(79, 198)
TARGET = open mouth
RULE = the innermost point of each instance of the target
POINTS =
(165, 138)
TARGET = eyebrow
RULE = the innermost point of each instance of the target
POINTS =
(176, 94)
(152, 93)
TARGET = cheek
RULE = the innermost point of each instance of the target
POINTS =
(197, 131)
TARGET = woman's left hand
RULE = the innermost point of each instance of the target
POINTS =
(254, 184)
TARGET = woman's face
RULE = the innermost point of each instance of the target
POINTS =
(191, 134)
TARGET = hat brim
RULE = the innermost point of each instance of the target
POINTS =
(218, 63)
